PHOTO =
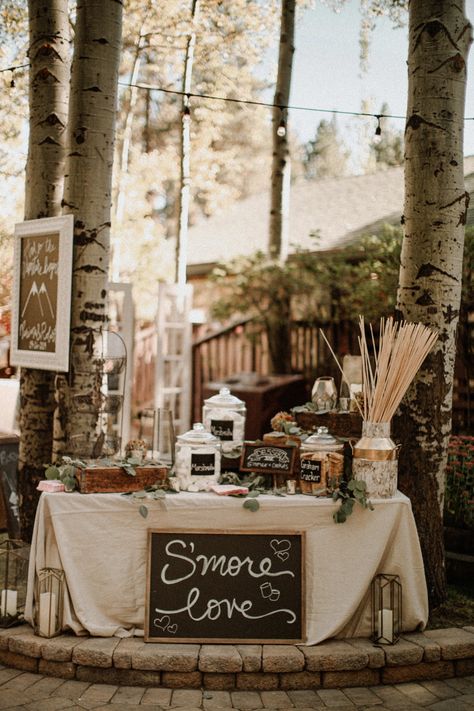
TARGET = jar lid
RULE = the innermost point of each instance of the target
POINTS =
(198, 435)
(225, 399)
(322, 439)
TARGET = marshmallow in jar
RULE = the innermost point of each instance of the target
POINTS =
(224, 416)
(198, 459)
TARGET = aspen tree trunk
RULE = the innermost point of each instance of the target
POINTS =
(280, 161)
(87, 195)
(278, 322)
(431, 260)
(185, 151)
(120, 197)
(48, 98)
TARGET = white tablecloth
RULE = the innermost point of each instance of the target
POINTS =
(100, 541)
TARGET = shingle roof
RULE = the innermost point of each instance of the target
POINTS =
(340, 209)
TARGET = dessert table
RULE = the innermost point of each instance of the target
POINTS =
(100, 541)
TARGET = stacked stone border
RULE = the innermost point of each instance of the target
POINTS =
(433, 654)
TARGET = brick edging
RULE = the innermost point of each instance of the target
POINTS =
(435, 654)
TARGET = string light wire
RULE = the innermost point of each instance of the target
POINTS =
(248, 102)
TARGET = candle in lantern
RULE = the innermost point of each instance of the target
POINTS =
(8, 604)
(47, 614)
(385, 626)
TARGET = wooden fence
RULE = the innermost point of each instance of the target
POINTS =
(242, 347)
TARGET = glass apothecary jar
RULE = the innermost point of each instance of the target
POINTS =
(224, 416)
(321, 463)
(198, 459)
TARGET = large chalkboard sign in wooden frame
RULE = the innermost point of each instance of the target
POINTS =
(225, 586)
(42, 280)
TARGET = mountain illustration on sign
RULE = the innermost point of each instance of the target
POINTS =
(41, 294)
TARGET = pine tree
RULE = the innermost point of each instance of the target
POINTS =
(326, 156)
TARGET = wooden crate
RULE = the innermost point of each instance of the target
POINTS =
(347, 425)
(108, 480)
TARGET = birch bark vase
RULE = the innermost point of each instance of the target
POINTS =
(375, 460)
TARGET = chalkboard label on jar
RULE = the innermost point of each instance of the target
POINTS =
(224, 429)
(310, 470)
(203, 464)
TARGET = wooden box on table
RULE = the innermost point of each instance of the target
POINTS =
(109, 480)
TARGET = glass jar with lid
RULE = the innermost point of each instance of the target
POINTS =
(198, 459)
(224, 416)
(321, 463)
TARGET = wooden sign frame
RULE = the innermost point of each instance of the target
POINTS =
(278, 547)
(42, 282)
(266, 467)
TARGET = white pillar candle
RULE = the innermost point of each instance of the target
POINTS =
(47, 614)
(385, 626)
(8, 603)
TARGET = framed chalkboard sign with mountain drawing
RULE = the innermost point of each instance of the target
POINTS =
(42, 293)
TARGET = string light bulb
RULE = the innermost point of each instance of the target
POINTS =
(281, 130)
(378, 128)
(12, 81)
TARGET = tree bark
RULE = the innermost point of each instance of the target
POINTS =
(280, 184)
(120, 197)
(48, 97)
(431, 260)
(185, 153)
(87, 195)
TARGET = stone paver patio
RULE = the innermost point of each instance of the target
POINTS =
(36, 692)
(434, 670)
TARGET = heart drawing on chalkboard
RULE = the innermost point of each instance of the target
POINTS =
(172, 629)
(280, 548)
(162, 622)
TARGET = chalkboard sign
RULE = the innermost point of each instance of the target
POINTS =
(42, 289)
(266, 458)
(225, 587)
(310, 469)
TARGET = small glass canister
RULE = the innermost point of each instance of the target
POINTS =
(198, 459)
(224, 416)
(321, 463)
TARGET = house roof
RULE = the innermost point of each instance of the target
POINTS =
(339, 209)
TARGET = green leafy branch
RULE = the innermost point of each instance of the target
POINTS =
(349, 493)
(64, 471)
(155, 492)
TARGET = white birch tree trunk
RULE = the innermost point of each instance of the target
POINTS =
(431, 260)
(87, 195)
(48, 99)
(120, 198)
(280, 159)
(185, 153)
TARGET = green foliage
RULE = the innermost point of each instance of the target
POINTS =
(65, 472)
(251, 504)
(317, 286)
(459, 492)
(348, 494)
(326, 156)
